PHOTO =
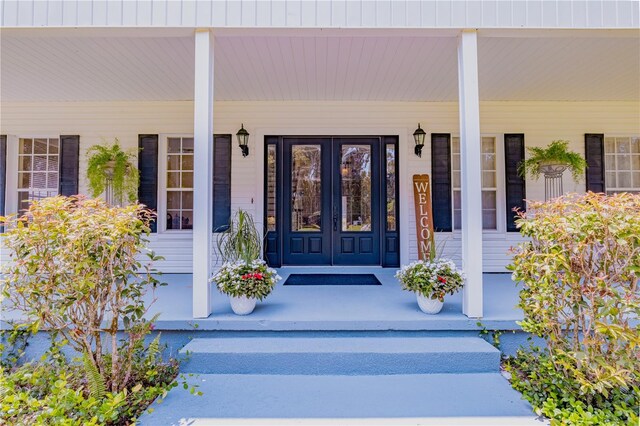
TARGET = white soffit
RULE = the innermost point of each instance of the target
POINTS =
(364, 68)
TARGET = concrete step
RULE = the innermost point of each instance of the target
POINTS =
(340, 355)
(462, 398)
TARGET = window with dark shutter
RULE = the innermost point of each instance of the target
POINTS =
(221, 182)
(594, 154)
(148, 168)
(441, 181)
(69, 164)
(515, 188)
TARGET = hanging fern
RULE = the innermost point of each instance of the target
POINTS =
(555, 153)
(95, 381)
(111, 159)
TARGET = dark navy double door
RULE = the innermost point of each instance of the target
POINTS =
(331, 199)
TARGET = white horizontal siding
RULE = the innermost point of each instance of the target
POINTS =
(322, 13)
(541, 122)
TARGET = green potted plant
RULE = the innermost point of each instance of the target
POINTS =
(431, 280)
(552, 161)
(111, 169)
(243, 276)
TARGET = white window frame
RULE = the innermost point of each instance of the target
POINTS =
(500, 232)
(607, 189)
(13, 142)
(163, 144)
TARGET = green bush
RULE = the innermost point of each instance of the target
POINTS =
(580, 271)
(75, 272)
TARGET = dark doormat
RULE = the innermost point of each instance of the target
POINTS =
(332, 279)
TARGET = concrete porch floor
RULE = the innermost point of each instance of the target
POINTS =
(336, 308)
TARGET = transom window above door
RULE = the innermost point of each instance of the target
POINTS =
(38, 169)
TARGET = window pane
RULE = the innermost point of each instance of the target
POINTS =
(623, 145)
(635, 162)
(636, 180)
(53, 146)
(624, 179)
(457, 219)
(187, 145)
(24, 180)
(489, 200)
(457, 200)
(391, 187)
(173, 162)
(355, 193)
(187, 179)
(40, 163)
(173, 180)
(24, 164)
(187, 200)
(187, 219)
(611, 180)
(173, 219)
(271, 187)
(610, 145)
(624, 162)
(455, 145)
(488, 162)
(635, 145)
(489, 219)
(26, 146)
(39, 146)
(53, 163)
(306, 188)
(187, 162)
(173, 145)
(455, 160)
(488, 145)
(39, 180)
(52, 180)
(455, 179)
(488, 179)
(609, 162)
(173, 200)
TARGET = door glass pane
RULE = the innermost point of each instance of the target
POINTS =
(306, 188)
(355, 170)
(271, 187)
(391, 187)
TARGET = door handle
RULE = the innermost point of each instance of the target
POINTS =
(335, 220)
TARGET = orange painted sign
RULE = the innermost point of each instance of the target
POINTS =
(424, 218)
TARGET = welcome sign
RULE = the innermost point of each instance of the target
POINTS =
(424, 218)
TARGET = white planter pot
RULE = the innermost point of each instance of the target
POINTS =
(242, 305)
(429, 306)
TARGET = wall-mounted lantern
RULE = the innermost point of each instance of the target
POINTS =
(243, 140)
(418, 137)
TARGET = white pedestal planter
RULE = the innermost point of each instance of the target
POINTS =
(242, 305)
(429, 306)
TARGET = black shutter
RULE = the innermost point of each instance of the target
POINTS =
(3, 173)
(221, 181)
(441, 181)
(594, 154)
(148, 167)
(514, 183)
(69, 164)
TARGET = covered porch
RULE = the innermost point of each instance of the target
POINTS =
(354, 308)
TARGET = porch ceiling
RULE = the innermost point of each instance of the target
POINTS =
(317, 67)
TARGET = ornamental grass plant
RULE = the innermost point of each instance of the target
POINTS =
(579, 271)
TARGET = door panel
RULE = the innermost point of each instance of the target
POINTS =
(307, 201)
(356, 189)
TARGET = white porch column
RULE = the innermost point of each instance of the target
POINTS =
(471, 172)
(202, 172)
